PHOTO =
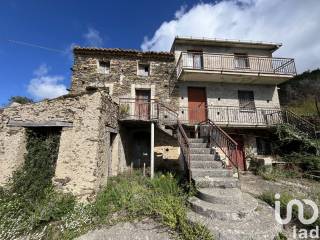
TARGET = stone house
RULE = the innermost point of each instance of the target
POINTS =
(128, 108)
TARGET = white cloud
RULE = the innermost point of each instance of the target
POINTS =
(44, 85)
(181, 11)
(93, 38)
(295, 23)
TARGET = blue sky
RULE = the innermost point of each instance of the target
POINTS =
(59, 24)
(149, 25)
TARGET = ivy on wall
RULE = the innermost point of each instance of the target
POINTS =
(36, 174)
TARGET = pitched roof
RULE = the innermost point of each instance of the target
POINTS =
(120, 51)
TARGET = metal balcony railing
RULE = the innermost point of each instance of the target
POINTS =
(146, 110)
(229, 115)
(235, 63)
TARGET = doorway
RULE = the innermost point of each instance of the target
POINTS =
(241, 162)
(142, 104)
(141, 149)
(197, 104)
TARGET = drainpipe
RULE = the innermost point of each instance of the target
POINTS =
(152, 150)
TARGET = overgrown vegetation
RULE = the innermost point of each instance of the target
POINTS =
(20, 100)
(30, 206)
(301, 93)
(162, 199)
(29, 201)
(125, 198)
(291, 140)
(298, 153)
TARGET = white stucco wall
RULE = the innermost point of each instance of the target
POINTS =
(222, 50)
(226, 95)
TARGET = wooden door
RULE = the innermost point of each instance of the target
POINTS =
(241, 161)
(142, 106)
(197, 102)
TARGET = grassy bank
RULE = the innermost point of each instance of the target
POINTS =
(125, 198)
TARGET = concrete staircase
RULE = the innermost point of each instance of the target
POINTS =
(220, 205)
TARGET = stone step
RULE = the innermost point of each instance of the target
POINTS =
(197, 140)
(198, 145)
(199, 172)
(220, 196)
(202, 157)
(237, 211)
(216, 182)
(261, 226)
(206, 164)
(200, 151)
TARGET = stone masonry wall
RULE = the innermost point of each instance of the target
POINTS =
(123, 77)
(82, 159)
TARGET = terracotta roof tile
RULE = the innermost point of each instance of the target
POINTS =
(78, 49)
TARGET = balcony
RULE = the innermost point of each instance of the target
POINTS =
(145, 110)
(234, 68)
(131, 109)
(232, 116)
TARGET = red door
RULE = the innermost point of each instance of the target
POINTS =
(241, 162)
(142, 106)
(197, 102)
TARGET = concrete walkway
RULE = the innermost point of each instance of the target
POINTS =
(146, 229)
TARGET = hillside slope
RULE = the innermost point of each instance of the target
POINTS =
(302, 93)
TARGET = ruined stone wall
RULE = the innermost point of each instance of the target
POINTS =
(123, 79)
(82, 161)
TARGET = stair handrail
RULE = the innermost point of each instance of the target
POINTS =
(185, 147)
(220, 138)
(309, 127)
(168, 109)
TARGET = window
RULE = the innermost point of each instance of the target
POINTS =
(241, 60)
(143, 69)
(195, 59)
(263, 146)
(104, 67)
(246, 100)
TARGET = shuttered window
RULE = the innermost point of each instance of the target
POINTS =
(246, 100)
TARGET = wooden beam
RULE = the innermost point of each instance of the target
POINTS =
(13, 123)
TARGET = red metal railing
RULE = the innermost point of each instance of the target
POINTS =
(185, 148)
(218, 137)
(146, 110)
(234, 63)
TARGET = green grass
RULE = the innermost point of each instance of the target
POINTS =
(276, 173)
(125, 198)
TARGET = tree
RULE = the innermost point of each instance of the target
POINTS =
(20, 99)
(317, 102)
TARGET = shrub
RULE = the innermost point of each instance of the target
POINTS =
(292, 140)
(306, 162)
(160, 198)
